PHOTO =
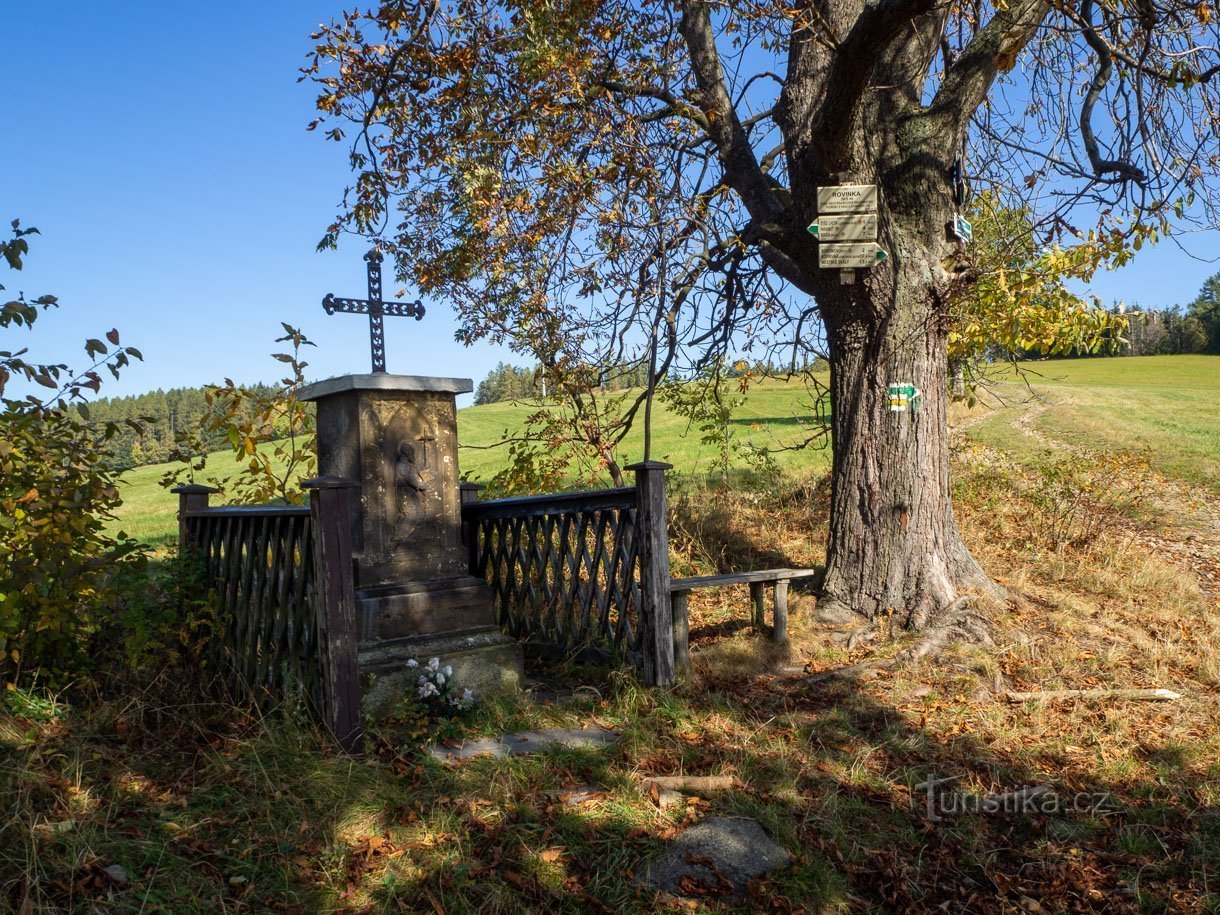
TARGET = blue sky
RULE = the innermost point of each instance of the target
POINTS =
(161, 149)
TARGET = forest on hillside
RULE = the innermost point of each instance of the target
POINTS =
(149, 424)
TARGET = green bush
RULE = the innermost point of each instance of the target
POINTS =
(62, 574)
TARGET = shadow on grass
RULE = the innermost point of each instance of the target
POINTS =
(252, 816)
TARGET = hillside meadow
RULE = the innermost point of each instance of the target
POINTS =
(1163, 407)
(1086, 488)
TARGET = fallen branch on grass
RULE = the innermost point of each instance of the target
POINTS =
(689, 784)
(1149, 695)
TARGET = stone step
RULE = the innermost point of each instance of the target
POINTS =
(524, 742)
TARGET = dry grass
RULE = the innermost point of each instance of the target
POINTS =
(209, 809)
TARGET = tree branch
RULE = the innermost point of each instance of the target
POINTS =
(994, 48)
(741, 168)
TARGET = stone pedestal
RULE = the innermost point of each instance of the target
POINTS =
(397, 436)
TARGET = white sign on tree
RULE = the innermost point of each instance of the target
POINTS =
(846, 228)
(854, 227)
(850, 255)
(847, 198)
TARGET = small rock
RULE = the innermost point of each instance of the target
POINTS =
(118, 874)
(717, 857)
(469, 749)
(578, 797)
(667, 798)
(569, 738)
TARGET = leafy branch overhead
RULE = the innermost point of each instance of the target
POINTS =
(601, 183)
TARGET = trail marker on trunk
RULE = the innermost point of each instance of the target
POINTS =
(852, 227)
(962, 229)
(847, 198)
(850, 255)
(902, 398)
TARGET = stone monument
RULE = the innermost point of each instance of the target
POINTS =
(396, 435)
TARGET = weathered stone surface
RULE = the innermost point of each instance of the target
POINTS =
(401, 446)
(484, 660)
(739, 850)
(525, 742)
(396, 435)
(423, 608)
(383, 381)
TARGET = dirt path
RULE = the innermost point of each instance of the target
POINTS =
(1187, 526)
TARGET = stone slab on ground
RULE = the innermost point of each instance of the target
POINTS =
(524, 742)
(719, 856)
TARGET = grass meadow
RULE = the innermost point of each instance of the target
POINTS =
(1165, 407)
(206, 806)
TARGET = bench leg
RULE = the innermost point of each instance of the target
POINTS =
(779, 632)
(758, 597)
(678, 603)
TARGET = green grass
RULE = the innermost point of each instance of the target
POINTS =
(1163, 406)
(775, 415)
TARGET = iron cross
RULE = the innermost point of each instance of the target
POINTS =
(375, 308)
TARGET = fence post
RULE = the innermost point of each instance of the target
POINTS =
(335, 605)
(191, 497)
(467, 493)
(652, 533)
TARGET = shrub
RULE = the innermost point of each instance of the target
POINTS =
(62, 570)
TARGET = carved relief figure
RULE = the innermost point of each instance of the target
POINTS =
(412, 481)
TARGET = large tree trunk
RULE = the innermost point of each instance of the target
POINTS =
(894, 544)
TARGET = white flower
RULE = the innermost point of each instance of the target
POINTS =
(434, 664)
(422, 680)
(440, 679)
(467, 696)
(427, 690)
(412, 663)
(448, 671)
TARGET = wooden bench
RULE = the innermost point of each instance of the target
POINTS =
(680, 588)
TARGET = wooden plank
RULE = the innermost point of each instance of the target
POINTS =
(679, 602)
(739, 578)
(560, 503)
(652, 535)
(336, 608)
(758, 597)
(240, 511)
(779, 629)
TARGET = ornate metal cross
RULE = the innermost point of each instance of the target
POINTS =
(375, 308)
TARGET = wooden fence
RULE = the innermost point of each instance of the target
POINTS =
(281, 578)
(580, 573)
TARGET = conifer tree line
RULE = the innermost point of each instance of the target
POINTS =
(149, 424)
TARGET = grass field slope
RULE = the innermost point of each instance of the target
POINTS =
(1164, 407)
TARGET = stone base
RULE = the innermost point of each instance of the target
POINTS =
(484, 660)
(427, 608)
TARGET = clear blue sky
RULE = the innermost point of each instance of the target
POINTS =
(161, 149)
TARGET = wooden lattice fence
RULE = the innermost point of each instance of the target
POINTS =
(281, 581)
(580, 574)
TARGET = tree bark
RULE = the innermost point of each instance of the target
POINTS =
(894, 545)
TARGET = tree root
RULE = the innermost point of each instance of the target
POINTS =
(956, 623)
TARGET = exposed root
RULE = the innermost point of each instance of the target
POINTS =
(839, 615)
(957, 623)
